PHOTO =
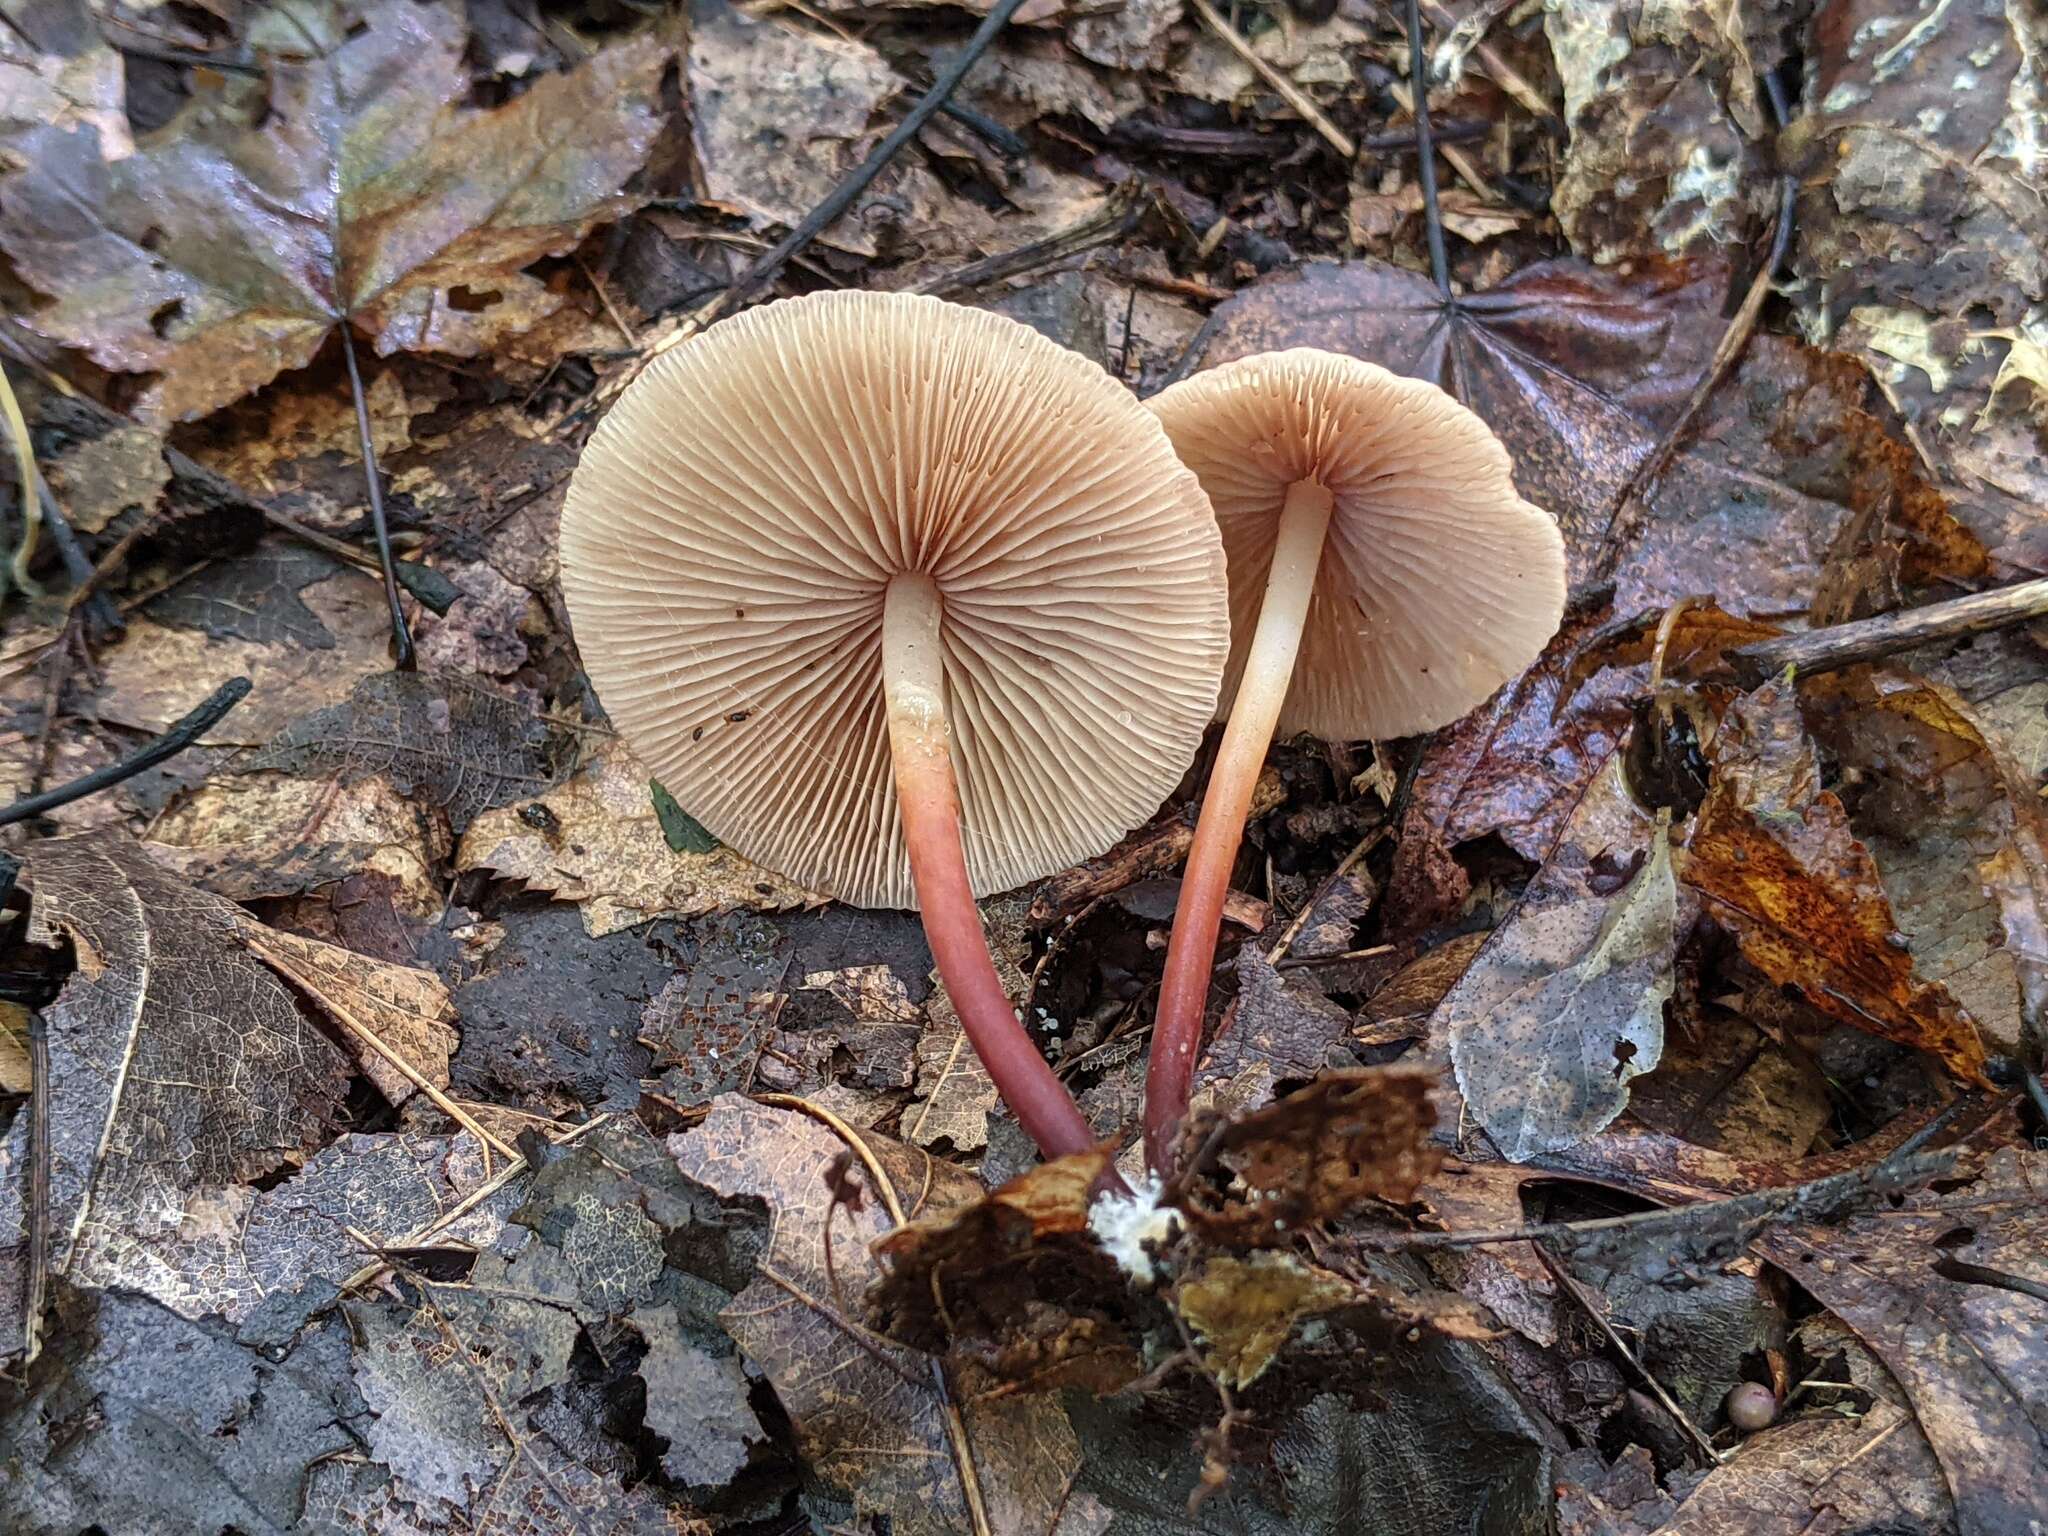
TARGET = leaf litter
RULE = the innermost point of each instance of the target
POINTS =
(443, 1135)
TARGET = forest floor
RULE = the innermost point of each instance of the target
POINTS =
(414, 1122)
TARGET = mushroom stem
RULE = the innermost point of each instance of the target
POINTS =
(914, 684)
(1268, 669)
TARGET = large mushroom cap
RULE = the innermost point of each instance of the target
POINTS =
(732, 527)
(1438, 582)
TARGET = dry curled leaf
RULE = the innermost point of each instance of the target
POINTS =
(1773, 853)
(1316, 1155)
(359, 187)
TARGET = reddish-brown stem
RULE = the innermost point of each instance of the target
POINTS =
(1268, 669)
(913, 681)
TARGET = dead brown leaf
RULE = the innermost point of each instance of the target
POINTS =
(1274, 1032)
(1773, 854)
(1243, 1309)
(359, 187)
(1016, 1283)
(595, 839)
(1316, 1155)
(1925, 1286)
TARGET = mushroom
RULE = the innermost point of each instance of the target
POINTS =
(1385, 578)
(907, 603)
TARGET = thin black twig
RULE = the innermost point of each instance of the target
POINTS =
(401, 636)
(100, 614)
(1425, 152)
(1949, 1267)
(168, 745)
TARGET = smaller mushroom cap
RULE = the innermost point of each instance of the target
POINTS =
(1438, 583)
(732, 530)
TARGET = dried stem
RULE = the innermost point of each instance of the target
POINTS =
(913, 679)
(1268, 669)
(169, 744)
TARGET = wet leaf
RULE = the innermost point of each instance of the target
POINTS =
(1566, 1002)
(1957, 830)
(463, 746)
(1316, 1155)
(684, 832)
(1274, 1033)
(1920, 1285)
(1922, 225)
(358, 187)
(1773, 854)
(179, 1066)
(706, 1027)
(597, 839)
(86, 1436)
(697, 1399)
(867, 1413)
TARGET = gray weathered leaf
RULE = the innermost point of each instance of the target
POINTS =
(1566, 1002)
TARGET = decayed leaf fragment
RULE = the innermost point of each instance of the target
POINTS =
(1244, 1309)
(1348, 1137)
(357, 187)
(1945, 1289)
(1773, 853)
(178, 1064)
(1566, 1002)
(596, 840)
(868, 1416)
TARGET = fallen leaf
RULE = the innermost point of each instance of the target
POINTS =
(1921, 230)
(1566, 1002)
(387, 1011)
(1316, 1155)
(596, 839)
(358, 188)
(697, 1400)
(1957, 830)
(1244, 1309)
(1773, 854)
(123, 1378)
(179, 1067)
(1399, 1007)
(1661, 101)
(1273, 1033)
(1920, 1283)
(456, 742)
(867, 1415)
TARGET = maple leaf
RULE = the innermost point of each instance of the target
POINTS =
(359, 188)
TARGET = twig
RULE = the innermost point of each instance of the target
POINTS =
(1733, 341)
(173, 741)
(30, 479)
(99, 613)
(1365, 845)
(604, 297)
(420, 1236)
(1283, 87)
(1949, 1267)
(1570, 1282)
(1425, 154)
(1844, 645)
(401, 637)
